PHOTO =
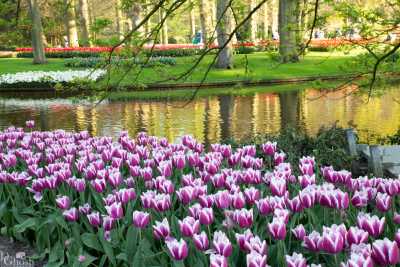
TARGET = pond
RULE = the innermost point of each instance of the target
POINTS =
(214, 118)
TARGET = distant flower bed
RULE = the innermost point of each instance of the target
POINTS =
(117, 61)
(143, 201)
(48, 77)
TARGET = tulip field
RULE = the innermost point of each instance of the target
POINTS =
(98, 201)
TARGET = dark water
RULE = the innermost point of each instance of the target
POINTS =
(215, 118)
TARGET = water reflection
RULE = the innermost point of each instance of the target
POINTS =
(216, 118)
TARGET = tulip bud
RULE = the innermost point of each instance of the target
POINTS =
(201, 241)
(218, 261)
(94, 219)
(243, 217)
(206, 216)
(385, 252)
(277, 228)
(299, 232)
(296, 260)
(189, 226)
(221, 244)
(177, 249)
(63, 202)
(255, 259)
(161, 229)
(140, 219)
(71, 215)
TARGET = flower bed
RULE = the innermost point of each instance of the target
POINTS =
(85, 200)
(37, 78)
(117, 61)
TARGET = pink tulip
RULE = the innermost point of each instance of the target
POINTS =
(251, 195)
(63, 202)
(201, 241)
(269, 148)
(306, 169)
(331, 241)
(385, 252)
(357, 260)
(115, 210)
(147, 199)
(30, 124)
(99, 185)
(299, 232)
(161, 229)
(125, 195)
(71, 214)
(278, 186)
(255, 244)
(221, 244)
(296, 260)
(185, 194)
(140, 219)
(222, 199)
(94, 219)
(243, 240)
(243, 217)
(161, 202)
(178, 249)
(360, 199)
(279, 158)
(238, 200)
(372, 224)
(311, 241)
(396, 218)
(254, 259)
(218, 261)
(85, 209)
(356, 236)
(206, 201)
(189, 226)
(264, 206)
(383, 202)
(295, 204)
(306, 180)
(277, 228)
(206, 216)
(397, 237)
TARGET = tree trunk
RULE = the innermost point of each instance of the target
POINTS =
(288, 27)
(70, 23)
(119, 19)
(164, 29)
(136, 16)
(204, 20)
(265, 21)
(85, 22)
(252, 22)
(192, 19)
(39, 56)
(224, 19)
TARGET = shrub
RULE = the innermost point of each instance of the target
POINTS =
(62, 54)
(245, 50)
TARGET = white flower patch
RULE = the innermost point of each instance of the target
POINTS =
(51, 76)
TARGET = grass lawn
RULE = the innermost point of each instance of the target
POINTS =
(259, 66)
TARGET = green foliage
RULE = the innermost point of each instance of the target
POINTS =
(63, 54)
(328, 146)
(179, 52)
(92, 62)
(245, 50)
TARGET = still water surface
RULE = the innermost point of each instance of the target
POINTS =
(215, 118)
